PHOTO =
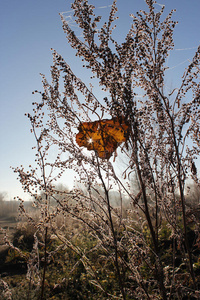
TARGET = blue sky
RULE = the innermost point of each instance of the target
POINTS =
(28, 30)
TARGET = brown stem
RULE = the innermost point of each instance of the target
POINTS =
(46, 205)
(119, 276)
(45, 265)
(158, 264)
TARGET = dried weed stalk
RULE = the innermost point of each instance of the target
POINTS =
(163, 142)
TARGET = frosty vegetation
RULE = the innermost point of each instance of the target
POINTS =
(144, 238)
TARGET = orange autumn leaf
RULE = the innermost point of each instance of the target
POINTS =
(103, 136)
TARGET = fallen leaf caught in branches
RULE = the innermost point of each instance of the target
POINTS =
(102, 136)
